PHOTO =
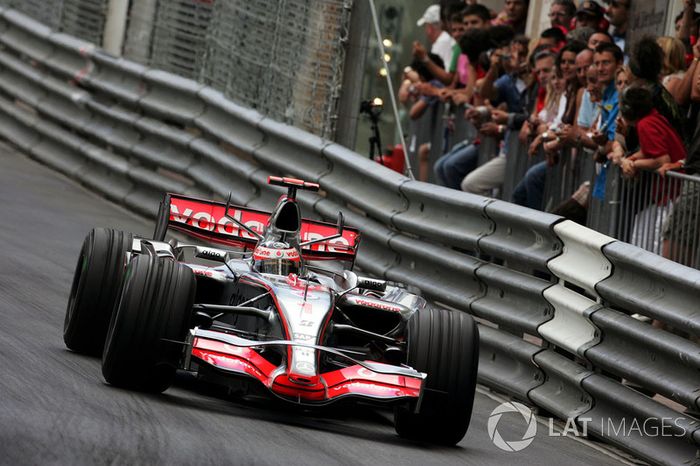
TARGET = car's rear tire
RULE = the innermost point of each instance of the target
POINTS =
(96, 286)
(445, 345)
(142, 350)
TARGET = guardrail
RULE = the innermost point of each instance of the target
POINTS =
(554, 298)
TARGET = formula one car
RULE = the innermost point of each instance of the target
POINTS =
(262, 311)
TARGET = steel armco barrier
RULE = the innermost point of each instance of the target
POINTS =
(554, 299)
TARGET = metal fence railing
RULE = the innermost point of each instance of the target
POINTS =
(571, 168)
(659, 214)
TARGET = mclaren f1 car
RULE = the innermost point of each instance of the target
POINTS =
(252, 303)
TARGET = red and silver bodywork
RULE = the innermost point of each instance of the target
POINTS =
(287, 332)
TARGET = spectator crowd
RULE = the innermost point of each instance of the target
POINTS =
(579, 90)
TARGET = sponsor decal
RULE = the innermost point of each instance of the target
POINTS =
(371, 284)
(377, 305)
(364, 372)
(203, 273)
(215, 219)
(304, 337)
(212, 254)
(210, 216)
(305, 367)
(262, 253)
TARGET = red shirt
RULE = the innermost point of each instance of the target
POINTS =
(657, 138)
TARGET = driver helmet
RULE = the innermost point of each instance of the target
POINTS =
(276, 257)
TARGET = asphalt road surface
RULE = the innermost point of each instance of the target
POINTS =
(55, 407)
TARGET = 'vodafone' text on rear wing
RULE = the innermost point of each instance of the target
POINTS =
(205, 219)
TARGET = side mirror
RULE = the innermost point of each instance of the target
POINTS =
(212, 254)
(365, 283)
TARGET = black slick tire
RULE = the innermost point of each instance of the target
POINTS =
(142, 350)
(96, 286)
(444, 345)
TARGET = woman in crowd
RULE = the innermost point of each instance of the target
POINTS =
(420, 90)
(620, 144)
(674, 66)
(646, 63)
(659, 143)
(451, 168)
(550, 117)
(566, 62)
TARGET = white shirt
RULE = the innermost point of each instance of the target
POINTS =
(553, 116)
(442, 47)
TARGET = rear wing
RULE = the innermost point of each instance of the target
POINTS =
(206, 220)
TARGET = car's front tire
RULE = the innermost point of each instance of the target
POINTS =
(444, 345)
(96, 285)
(145, 340)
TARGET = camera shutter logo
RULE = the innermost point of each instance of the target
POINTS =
(514, 445)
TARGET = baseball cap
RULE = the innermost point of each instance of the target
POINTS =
(431, 16)
(590, 8)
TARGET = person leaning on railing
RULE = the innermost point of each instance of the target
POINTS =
(492, 174)
(681, 231)
(504, 83)
(659, 143)
(530, 189)
(423, 94)
(688, 95)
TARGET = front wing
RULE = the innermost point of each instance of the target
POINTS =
(360, 379)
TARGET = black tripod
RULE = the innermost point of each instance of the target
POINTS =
(373, 108)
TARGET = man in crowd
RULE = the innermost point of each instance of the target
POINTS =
(561, 13)
(491, 175)
(514, 14)
(607, 58)
(618, 15)
(440, 40)
(451, 168)
(472, 17)
(591, 14)
(476, 16)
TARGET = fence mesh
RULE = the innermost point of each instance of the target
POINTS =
(84, 19)
(283, 58)
(179, 36)
(46, 11)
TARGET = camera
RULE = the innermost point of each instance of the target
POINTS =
(372, 108)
